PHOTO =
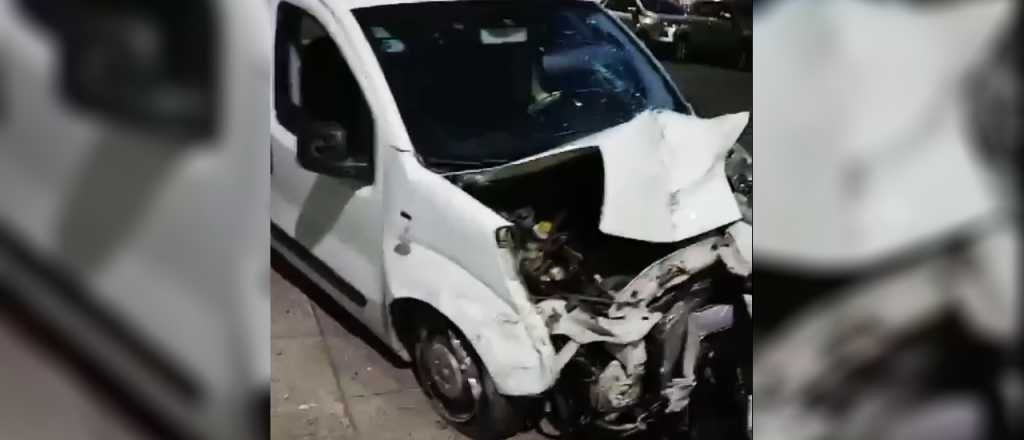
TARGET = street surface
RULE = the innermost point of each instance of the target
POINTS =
(333, 380)
(715, 91)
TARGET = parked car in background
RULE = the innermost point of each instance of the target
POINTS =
(716, 28)
(656, 22)
(683, 29)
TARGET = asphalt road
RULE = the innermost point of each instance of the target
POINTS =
(715, 91)
(333, 380)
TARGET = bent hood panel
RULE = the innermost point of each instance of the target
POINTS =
(665, 178)
(665, 175)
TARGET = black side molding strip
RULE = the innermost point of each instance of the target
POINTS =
(40, 277)
(318, 266)
(62, 286)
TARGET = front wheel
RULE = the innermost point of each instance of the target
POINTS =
(720, 404)
(459, 387)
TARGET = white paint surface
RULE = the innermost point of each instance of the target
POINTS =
(665, 175)
(664, 172)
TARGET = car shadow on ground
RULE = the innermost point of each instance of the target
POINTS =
(330, 306)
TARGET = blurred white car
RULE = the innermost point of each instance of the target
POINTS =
(131, 206)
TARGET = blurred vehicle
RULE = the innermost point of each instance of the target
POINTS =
(895, 276)
(719, 29)
(716, 28)
(655, 22)
(132, 208)
(467, 179)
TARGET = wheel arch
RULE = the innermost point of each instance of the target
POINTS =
(497, 333)
(403, 314)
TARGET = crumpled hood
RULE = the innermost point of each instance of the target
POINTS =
(665, 177)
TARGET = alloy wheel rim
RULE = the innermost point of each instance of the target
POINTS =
(450, 378)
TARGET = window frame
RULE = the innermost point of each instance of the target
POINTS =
(290, 18)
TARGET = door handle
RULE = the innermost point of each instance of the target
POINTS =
(403, 248)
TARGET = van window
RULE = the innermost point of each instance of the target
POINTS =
(313, 82)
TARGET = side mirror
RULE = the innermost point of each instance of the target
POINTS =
(323, 149)
(141, 64)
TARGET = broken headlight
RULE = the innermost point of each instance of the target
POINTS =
(739, 169)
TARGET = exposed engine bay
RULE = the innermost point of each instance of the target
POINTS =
(650, 336)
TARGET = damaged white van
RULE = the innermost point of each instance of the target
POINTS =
(515, 197)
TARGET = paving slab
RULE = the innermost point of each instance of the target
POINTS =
(363, 370)
(306, 402)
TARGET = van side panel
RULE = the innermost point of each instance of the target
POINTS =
(439, 248)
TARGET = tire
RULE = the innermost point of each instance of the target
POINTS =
(459, 387)
(647, 41)
(719, 407)
(742, 60)
(680, 49)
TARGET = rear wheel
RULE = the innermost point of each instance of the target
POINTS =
(459, 387)
(680, 49)
(742, 59)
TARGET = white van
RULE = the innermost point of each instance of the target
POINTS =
(517, 199)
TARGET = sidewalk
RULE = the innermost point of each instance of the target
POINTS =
(334, 381)
(306, 402)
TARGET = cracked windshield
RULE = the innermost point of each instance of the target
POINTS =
(482, 84)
